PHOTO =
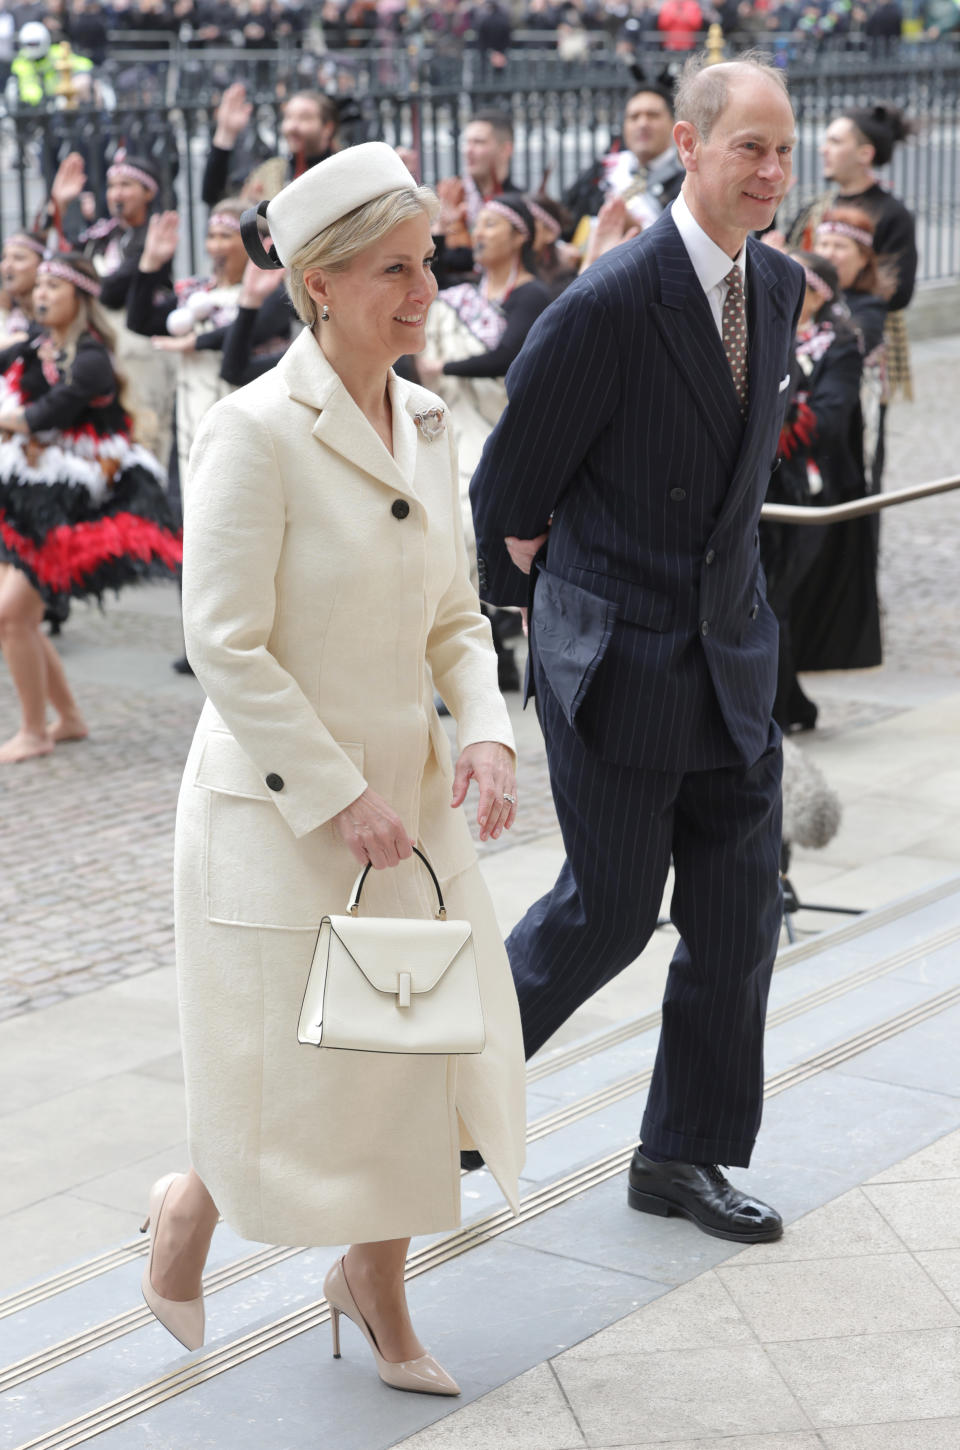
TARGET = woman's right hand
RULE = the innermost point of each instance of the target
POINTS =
(373, 832)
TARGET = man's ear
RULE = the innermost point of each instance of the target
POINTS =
(686, 138)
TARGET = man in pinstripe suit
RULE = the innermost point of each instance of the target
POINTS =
(629, 469)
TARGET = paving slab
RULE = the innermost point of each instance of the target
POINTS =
(818, 1299)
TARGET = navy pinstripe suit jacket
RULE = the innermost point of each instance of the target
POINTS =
(649, 618)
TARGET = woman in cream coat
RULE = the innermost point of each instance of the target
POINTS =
(325, 598)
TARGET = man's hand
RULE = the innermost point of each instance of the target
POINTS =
(452, 221)
(524, 551)
(491, 765)
(233, 116)
(410, 160)
(373, 832)
(160, 246)
(614, 225)
(70, 180)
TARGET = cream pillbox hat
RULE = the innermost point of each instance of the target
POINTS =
(328, 191)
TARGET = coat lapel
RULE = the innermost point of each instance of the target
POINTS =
(341, 425)
(686, 324)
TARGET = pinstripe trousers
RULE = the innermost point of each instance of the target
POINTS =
(620, 827)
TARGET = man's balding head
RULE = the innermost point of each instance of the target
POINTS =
(704, 89)
(735, 135)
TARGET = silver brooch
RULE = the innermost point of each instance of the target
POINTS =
(432, 423)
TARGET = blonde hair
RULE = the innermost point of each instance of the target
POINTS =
(337, 245)
(703, 88)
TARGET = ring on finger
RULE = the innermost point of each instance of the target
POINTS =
(510, 800)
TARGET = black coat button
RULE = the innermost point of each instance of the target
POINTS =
(704, 627)
(275, 782)
(678, 494)
(709, 556)
(400, 508)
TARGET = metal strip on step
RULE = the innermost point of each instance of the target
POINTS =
(104, 1333)
(216, 1362)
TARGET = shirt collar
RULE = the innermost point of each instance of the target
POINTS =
(710, 262)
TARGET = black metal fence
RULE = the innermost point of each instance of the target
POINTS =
(564, 117)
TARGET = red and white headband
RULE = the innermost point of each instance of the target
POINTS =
(21, 239)
(126, 171)
(550, 223)
(844, 229)
(63, 270)
(225, 219)
(816, 284)
(513, 217)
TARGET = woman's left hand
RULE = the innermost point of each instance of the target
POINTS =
(491, 765)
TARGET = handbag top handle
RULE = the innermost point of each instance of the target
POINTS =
(353, 906)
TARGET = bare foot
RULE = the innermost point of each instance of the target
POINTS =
(23, 746)
(69, 727)
(383, 1304)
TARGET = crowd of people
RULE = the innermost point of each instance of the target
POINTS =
(94, 28)
(502, 256)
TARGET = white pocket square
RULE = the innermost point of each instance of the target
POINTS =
(785, 384)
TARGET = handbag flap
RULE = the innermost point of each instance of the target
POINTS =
(384, 947)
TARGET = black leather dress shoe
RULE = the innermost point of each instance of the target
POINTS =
(703, 1195)
(470, 1160)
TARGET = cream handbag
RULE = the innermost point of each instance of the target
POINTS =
(393, 984)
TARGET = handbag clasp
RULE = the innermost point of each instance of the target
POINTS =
(403, 989)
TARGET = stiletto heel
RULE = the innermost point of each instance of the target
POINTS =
(183, 1318)
(423, 1375)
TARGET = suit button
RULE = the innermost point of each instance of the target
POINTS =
(400, 508)
(709, 556)
(275, 782)
(678, 494)
(704, 627)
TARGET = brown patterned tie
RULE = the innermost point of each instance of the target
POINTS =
(734, 328)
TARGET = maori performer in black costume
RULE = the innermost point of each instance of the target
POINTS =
(82, 504)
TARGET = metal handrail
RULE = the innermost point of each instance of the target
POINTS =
(788, 513)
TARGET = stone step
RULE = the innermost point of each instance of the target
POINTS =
(859, 1031)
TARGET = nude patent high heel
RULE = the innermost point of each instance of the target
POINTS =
(424, 1375)
(183, 1318)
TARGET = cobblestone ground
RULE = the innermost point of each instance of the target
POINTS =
(86, 834)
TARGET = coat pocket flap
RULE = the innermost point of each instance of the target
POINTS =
(387, 949)
(225, 766)
(571, 629)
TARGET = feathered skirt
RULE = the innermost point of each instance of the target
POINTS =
(83, 512)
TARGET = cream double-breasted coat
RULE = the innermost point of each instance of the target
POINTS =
(325, 596)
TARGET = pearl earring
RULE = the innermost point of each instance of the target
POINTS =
(325, 313)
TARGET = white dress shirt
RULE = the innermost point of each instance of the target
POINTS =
(710, 262)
